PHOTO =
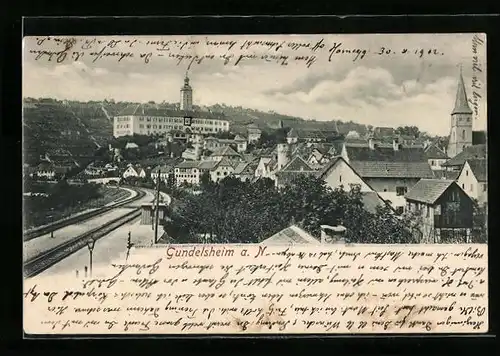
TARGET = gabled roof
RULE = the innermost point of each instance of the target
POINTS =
(246, 167)
(225, 151)
(187, 164)
(162, 169)
(297, 164)
(207, 164)
(479, 167)
(376, 169)
(290, 236)
(434, 152)
(442, 174)
(225, 162)
(429, 190)
(469, 153)
(386, 153)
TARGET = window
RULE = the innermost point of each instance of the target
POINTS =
(484, 187)
(463, 186)
(432, 162)
(463, 135)
(466, 173)
(428, 212)
(472, 187)
(340, 178)
(401, 191)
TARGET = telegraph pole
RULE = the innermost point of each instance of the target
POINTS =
(157, 204)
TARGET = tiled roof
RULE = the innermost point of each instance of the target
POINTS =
(153, 110)
(291, 235)
(388, 169)
(434, 152)
(310, 133)
(225, 151)
(188, 164)
(479, 167)
(297, 164)
(207, 164)
(469, 153)
(442, 174)
(428, 190)
(225, 162)
(386, 154)
(162, 169)
(246, 167)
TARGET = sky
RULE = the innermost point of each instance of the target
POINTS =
(392, 89)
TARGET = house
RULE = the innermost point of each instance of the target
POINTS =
(245, 171)
(310, 135)
(320, 155)
(131, 145)
(212, 143)
(296, 167)
(338, 173)
(163, 171)
(265, 166)
(187, 172)
(469, 153)
(389, 169)
(436, 157)
(222, 169)
(227, 152)
(191, 171)
(49, 170)
(445, 209)
(134, 171)
(473, 179)
(253, 133)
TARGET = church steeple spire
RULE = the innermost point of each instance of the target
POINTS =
(461, 102)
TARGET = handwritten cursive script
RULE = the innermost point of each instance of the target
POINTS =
(270, 289)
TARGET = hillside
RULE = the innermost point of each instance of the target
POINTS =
(64, 131)
(73, 131)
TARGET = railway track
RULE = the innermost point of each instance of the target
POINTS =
(37, 232)
(48, 258)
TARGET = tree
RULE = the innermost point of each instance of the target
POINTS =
(412, 131)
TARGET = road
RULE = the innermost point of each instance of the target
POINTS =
(43, 243)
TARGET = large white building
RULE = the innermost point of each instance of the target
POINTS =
(150, 119)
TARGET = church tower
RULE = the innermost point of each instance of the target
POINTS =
(186, 95)
(461, 121)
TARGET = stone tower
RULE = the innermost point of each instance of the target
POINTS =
(461, 121)
(283, 155)
(186, 95)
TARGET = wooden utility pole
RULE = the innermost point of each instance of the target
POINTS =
(157, 205)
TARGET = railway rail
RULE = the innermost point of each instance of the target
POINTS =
(37, 232)
(40, 263)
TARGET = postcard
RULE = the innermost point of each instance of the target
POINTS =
(255, 184)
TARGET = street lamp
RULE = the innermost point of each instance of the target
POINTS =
(90, 245)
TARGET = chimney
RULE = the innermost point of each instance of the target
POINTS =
(333, 234)
(371, 144)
